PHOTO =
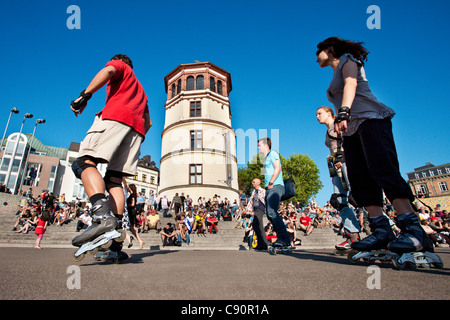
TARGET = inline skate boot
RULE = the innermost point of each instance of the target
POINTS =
(280, 247)
(374, 246)
(345, 247)
(413, 246)
(114, 255)
(100, 234)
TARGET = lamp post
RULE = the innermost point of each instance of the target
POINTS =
(25, 170)
(13, 110)
(8, 175)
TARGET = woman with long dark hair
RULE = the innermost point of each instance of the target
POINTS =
(369, 149)
(132, 213)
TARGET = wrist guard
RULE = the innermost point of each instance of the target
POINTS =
(343, 114)
(78, 103)
(339, 157)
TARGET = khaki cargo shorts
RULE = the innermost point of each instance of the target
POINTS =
(114, 143)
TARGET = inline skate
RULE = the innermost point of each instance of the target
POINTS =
(279, 247)
(102, 232)
(344, 248)
(114, 255)
(413, 246)
(374, 246)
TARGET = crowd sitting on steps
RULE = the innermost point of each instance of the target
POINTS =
(204, 216)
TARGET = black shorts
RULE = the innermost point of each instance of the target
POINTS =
(372, 164)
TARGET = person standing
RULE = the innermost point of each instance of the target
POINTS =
(41, 227)
(257, 205)
(114, 138)
(369, 149)
(338, 174)
(274, 191)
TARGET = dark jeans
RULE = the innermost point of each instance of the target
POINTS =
(372, 164)
(273, 198)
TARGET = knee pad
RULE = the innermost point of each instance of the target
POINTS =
(113, 179)
(80, 164)
(336, 201)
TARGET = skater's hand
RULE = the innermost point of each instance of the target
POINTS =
(338, 165)
(78, 105)
(340, 127)
(77, 112)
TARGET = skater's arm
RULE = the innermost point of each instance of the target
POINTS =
(276, 172)
(101, 78)
(350, 76)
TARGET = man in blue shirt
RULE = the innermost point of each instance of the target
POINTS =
(274, 190)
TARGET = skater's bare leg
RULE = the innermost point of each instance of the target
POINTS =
(374, 211)
(92, 180)
(117, 200)
(402, 205)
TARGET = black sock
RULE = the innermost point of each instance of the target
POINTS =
(96, 197)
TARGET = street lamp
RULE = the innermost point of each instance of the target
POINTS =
(13, 110)
(25, 170)
(8, 175)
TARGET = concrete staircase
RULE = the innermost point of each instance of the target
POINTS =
(228, 237)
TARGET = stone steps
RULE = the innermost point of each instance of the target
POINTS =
(227, 238)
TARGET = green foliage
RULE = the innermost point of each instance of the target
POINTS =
(254, 169)
(305, 173)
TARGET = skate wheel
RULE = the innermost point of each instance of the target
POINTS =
(350, 256)
(123, 235)
(107, 245)
(93, 251)
(79, 258)
(397, 264)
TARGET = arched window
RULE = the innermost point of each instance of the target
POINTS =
(219, 87)
(173, 90)
(179, 86)
(212, 84)
(190, 83)
(200, 83)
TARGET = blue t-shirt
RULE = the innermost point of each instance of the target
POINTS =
(269, 168)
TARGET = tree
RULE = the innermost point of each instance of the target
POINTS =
(305, 173)
(254, 169)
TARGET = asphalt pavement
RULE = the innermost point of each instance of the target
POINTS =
(49, 274)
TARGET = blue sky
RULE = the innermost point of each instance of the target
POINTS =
(267, 46)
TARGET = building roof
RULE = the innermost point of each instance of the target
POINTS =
(206, 64)
(37, 145)
(429, 170)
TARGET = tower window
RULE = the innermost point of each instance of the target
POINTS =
(219, 87)
(173, 90)
(190, 83)
(196, 109)
(196, 139)
(195, 173)
(179, 86)
(212, 84)
(200, 83)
